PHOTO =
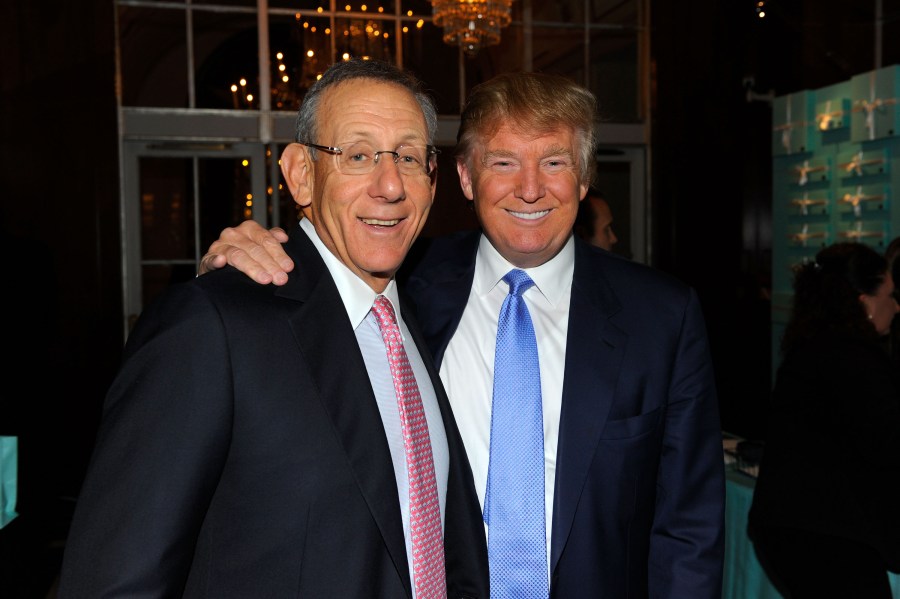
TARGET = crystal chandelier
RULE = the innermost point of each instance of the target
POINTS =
(472, 24)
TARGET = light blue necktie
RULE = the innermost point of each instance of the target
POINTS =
(514, 499)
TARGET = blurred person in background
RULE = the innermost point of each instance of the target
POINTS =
(594, 221)
(825, 519)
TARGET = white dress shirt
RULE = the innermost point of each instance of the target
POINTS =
(467, 369)
(358, 298)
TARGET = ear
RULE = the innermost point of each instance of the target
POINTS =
(465, 179)
(298, 173)
(584, 189)
(867, 304)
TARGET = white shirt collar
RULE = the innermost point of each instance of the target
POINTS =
(552, 278)
(357, 295)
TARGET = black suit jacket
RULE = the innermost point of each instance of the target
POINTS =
(831, 462)
(242, 454)
(639, 493)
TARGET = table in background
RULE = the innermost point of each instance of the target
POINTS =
(744, 577)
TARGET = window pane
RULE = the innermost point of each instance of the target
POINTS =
(422, 50)
(506, 56)
(226, 52)
(560, 50)
(365, 37)
(244, 3)
(153, 44)
(419, 8)
(167, 208)
(614, 74)
(301, 51)
(225, 191)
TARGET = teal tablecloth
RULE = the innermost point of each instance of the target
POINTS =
(744, 577)
(9, 461)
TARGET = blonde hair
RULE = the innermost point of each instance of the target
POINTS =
(533, 102)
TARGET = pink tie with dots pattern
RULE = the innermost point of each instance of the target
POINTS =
(424, 509)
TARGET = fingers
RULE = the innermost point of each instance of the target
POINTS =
(211, 262)
(253, 250)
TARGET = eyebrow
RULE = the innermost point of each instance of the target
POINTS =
(551, 151)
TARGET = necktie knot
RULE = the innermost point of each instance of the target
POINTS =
(384, 313)
(518, 281)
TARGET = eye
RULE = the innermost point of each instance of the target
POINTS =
(500, 164)
(358, 153)
(556, 164)
(410, 157)
(358, 157)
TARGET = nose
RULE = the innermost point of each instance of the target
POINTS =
(387, 181)
(530, 186)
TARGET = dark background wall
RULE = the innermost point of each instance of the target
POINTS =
(711, 181)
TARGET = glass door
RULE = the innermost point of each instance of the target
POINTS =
(177, 198)
(621, 175)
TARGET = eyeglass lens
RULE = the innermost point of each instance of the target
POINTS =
(361, 158)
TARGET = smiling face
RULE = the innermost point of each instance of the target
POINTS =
(526, 190)
(368, 221)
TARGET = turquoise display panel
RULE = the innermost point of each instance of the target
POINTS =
(793, 123)
(835, 176)
(876, 104)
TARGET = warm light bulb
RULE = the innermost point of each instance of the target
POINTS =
(285, 78)
(281, 67)
(279, 56)
(310, 53)
(345, 56)
(245, 162)
(249, 97)
(233, 87)
(243, 81)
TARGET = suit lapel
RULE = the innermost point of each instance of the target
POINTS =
(439, 287)
(329, 345)
(594, 351)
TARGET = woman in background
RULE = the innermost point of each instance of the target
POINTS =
(892, 255)
(825, 518)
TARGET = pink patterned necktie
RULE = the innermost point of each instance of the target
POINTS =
(424, 509)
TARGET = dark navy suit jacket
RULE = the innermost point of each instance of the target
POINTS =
(639, 493)
(242, 454)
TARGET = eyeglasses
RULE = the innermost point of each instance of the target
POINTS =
(360, 158)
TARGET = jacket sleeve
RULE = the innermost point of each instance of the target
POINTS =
(162, 443)
(687, 540)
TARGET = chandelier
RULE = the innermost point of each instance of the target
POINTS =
(472, 24)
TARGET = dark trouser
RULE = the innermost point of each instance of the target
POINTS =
(804, 565)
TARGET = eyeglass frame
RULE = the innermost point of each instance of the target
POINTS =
(430, 151)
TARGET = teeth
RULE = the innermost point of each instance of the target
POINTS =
(383, 223)
(529, 215)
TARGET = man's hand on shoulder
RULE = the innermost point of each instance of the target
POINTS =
(253, 250)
